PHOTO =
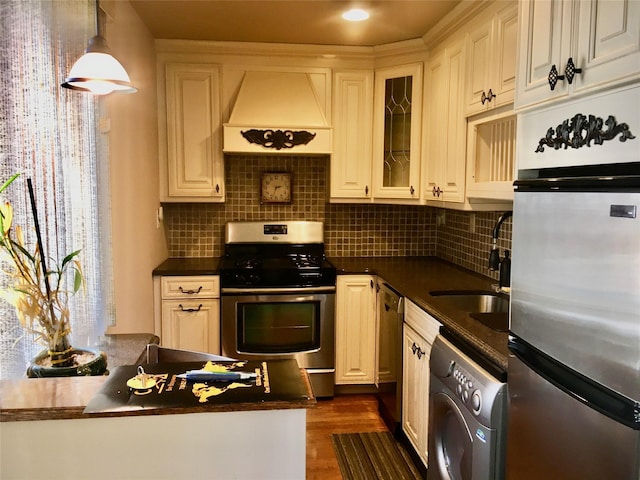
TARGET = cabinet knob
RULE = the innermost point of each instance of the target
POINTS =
(554, 77)
(411, 190)
(486, 97)
(190, 309)
(571, 70)
(366, 189)
(217, 188)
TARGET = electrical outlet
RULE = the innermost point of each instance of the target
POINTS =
(159, 216)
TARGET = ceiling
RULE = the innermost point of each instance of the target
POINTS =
(316, 22)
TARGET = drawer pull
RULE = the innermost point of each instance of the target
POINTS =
(417, 350)
(190, 309)
(190, 292)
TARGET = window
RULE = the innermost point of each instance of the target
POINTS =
(49, 135)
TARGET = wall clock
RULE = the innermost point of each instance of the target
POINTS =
(275, 187)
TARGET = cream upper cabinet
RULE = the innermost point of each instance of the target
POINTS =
(397, 132)
(355, 329)
(352, 134)
(192, 164)
(491, 61)
(569, 47)
(444, 162)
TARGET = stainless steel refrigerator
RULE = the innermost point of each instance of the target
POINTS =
(574, 369)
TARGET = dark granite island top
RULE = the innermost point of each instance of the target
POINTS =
(67, 398)
(415, 277)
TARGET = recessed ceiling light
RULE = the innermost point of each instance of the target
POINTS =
(355, 15)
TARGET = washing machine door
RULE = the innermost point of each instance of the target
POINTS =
(450, 441)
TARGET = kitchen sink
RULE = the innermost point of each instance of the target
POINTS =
(489, 308)
(473, 301)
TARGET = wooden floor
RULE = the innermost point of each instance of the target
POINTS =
(342, 414)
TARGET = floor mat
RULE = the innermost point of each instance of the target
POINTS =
(373, 455)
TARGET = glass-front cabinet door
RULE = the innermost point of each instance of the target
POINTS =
(396, 131)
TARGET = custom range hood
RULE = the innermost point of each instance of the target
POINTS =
(277, 113)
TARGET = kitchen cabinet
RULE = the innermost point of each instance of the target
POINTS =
(397, 131)
(444, 161)
(355, 329)
(419, 331)
(491, 61)
(192, 163)
(569, 47)
(190, 313)
(352, 134)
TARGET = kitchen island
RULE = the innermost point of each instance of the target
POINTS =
(45, 430)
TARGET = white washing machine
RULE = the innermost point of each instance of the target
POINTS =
(467, 415)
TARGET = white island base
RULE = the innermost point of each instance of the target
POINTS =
(243, 445)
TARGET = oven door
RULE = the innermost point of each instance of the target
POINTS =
(280, 323)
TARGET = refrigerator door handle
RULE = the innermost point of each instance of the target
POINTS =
(602, 399)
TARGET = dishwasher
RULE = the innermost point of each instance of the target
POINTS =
(389, 355)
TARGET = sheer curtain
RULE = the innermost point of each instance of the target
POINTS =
(49, 134)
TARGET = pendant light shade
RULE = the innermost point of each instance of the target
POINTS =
(98, 72)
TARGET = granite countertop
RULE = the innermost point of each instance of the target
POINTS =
(24, 399)
(66, 398)
(126, 348)
(188, 266)
(415, 277)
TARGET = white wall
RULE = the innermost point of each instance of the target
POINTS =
(138, 245)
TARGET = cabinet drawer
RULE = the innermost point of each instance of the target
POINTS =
(423, 323)
(205, 286)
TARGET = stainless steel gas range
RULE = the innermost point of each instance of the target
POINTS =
(278, 297)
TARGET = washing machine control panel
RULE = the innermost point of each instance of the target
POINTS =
(479, 391)
(467, 390)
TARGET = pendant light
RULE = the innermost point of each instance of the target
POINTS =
(97, 71)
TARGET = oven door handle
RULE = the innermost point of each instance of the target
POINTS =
(278, 291)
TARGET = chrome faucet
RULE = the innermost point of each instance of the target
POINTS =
(495, 263)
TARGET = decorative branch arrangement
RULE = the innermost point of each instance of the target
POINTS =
(38, 291)
(581, 130)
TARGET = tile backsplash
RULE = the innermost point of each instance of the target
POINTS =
(197, 229)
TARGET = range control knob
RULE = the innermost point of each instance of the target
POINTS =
(476, 402)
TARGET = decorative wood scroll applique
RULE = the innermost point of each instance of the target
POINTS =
(278, 139)
(581, 130)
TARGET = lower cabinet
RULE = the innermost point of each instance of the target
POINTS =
(419, 332)
(190, 313)
(355, 329)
